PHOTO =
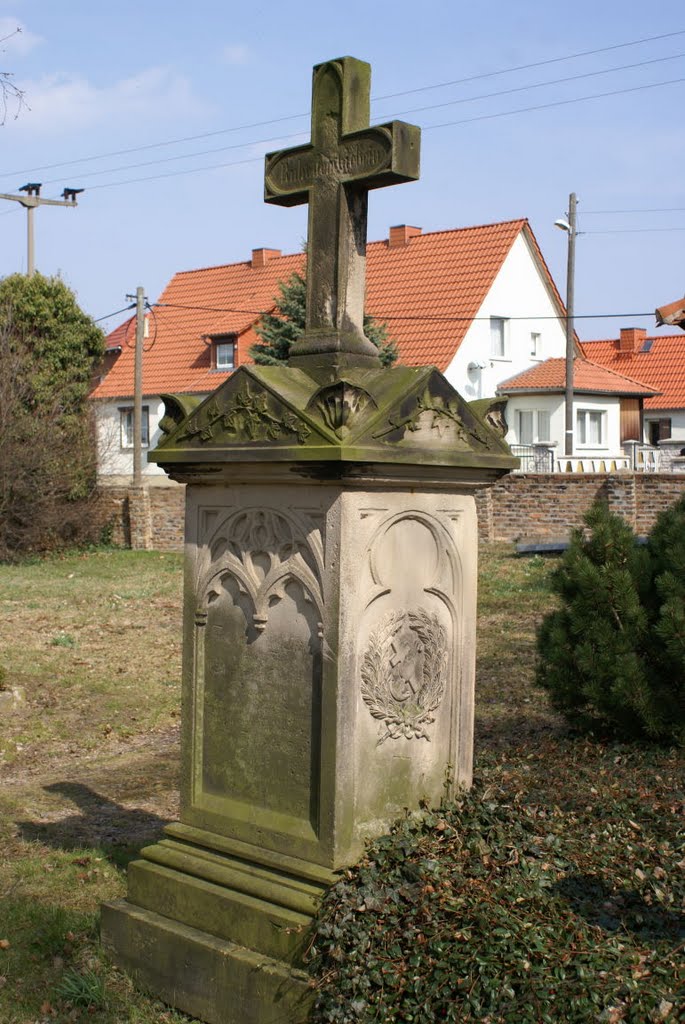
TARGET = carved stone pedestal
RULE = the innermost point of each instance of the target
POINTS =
(329, 649)
(330, 601)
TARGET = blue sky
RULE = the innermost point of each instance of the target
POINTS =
(100, 79)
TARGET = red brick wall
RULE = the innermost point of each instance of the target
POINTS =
(656, 492)
(518, 507)
(112, 514)
(167, 511)
(167, 507)
(549, 506)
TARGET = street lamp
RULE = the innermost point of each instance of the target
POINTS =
(569, 226)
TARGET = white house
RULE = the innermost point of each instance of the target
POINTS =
(607, 414)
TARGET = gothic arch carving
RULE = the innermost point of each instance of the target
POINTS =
(263, 549)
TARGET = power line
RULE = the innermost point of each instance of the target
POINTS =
(123, 309)
(387, 96)
(556, 103)
(392, 316)
(539, 85)
(535, 64)
(435, 106)
(175, 174)
(152, 145)
(447, 124)
(627, 231)
(185, 156)
(656, 209)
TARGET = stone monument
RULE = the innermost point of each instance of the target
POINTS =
(330, 608)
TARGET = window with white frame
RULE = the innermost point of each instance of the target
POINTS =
(590, 429)
(224, 352)
(498, 338)
(126, 426)
(535, 345)
(532, 425)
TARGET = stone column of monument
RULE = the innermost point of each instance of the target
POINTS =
(330, 609)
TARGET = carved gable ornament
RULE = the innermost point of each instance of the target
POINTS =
(267, 413)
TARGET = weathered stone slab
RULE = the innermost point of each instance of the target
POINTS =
(371, 697)
(215, 980)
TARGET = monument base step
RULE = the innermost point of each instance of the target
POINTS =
(210, 978)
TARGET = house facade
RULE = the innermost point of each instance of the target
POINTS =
(658, 361)
(479, 303)
(607, 416)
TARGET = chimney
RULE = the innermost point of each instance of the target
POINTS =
(400, 235)
(260, 257)
(632, 339)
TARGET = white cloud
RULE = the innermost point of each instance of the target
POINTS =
(63, 102)
(236, 53)
(16, 39)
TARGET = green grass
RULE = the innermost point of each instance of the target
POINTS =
(90, 773)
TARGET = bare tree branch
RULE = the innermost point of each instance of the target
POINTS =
(11, 96)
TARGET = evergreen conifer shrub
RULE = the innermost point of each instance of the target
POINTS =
(612, 656)
(666, 652)
(279, 330)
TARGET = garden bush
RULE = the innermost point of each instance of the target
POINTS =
(612, 656)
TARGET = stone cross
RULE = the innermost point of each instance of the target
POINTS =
(334, 173)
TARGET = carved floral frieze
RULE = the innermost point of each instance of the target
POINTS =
(439, 416)
(246, 416)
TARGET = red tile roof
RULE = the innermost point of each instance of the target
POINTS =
(428, 291)
(588, 378)
(660, 362)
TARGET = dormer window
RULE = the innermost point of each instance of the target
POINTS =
(223, 352)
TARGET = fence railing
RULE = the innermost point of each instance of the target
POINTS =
(643, 458)
(638, 458)
(535, 458)
(592, 464)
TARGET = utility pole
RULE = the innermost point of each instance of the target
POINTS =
(138, 388)
(30, 201)
(569, 226)
(138, 495)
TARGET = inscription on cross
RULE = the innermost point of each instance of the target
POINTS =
(333, 173)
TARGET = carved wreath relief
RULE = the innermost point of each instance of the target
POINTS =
(404, 672)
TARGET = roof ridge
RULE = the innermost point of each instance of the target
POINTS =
(377, 241)
(236, 263)
(648, 337)
(452, 231)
